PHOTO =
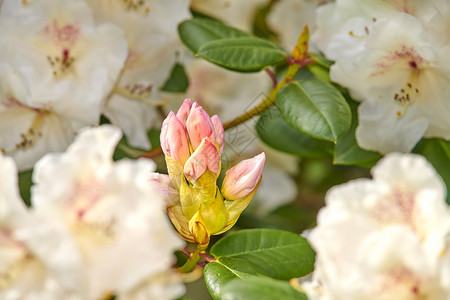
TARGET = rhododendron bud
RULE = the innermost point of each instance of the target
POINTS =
(174, 142)
(199, 126)
(205, 157)
(218, 131)
(243, 179)
(183, 111)
(193, 143)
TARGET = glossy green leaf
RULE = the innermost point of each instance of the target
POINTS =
(315, 108)
(197, 32)
(245, 54)
(437, 151)
(276, 133)
(347, 151)
(217, 274)
(258, 252)
(261, 289)
(178, 81)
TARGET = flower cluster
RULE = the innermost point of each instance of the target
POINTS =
(392, 55)
(193, 143)
(64, 63)
(385, 238)
(88, 213)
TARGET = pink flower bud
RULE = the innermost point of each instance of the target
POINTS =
(163, 185)
(174, 142)
(199, 126)
(205, 157)
(243, 178)
(183, 111)
(218, 131)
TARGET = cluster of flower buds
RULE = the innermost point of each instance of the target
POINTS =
(193, 144)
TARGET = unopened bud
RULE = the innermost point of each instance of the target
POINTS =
(183, 111)
(243, 178)
(199, 232)
(218, 131)
(205, 157)
(199, 126)
(174, 142)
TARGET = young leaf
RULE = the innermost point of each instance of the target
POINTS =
(197, 32)
(347, 151)
(276, 133)
(258, 252)
(245, 54)
(178, 81)
(315, 108)
(261, 289)
(437, 151)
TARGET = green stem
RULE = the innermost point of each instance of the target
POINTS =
(267, 103)
(191, 262)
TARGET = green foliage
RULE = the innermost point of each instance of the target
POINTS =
(25, 183)
(227, 46)
(347, 151)
(178, 81)
(258, 252)
(315, 108)
(245, 54)
(261, 289)
(195, 33)
(276, 133)
(437, 151)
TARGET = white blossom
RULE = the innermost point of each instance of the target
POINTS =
(403, 80)
(22, 274)
(57, 68)
(384, 238)
(392, 57)
(104, 218)
(343, 25)
(150, 27)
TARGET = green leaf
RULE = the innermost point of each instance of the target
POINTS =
(178, 81)
(25, 183)
(276, 133)
(321, 60)
(245, 54)
(315, 108)
(258, 252)
(217, 275)
(261, 289)
(347, 151)
(437, 151)
(197, 32)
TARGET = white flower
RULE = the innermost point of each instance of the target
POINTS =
(104, 217)
(384, 238)
(393, 57)
(343, 25)
(22, 274)
(403, 80)
(150, 27)
(57, 68)
(236, 13)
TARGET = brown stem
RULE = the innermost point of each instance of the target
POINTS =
(152, 153)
